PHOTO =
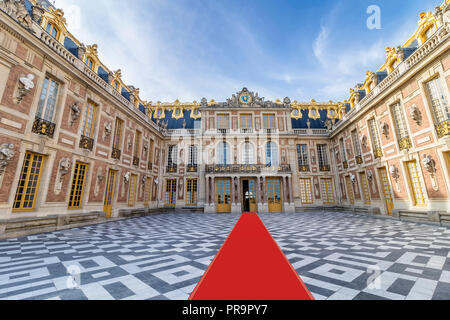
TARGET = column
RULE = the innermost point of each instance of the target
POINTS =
(291, 191)
(207, 191)
(258, 190)
(285, 194)
(233, 186)
(264, 190)
(212, 191)
(239, 191)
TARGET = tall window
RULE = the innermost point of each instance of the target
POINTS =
(302, 155)
(269, 121)
(343, 152)
(246, 123)
(248, 154)
(326, 186)
(356, 144)
(151, 151)
(137, 144)
(416, 184)
(400, 126)
(375, 137)
(193, 155)
(52, 30)
(323, 155)
(271, 154)
(306, 191)
(439, 102)
(117, 143)
(223, 154)
(28, 186)
(191, 192)
(171, 192)
(47, 101)
(223, 121)
(89, 120)
(76, 194)
(172, 156)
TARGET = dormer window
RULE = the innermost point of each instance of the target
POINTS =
(90, 63)
(52, 30)
(116, 85)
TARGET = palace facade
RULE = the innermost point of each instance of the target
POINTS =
(76, 140)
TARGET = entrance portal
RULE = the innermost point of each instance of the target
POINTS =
(249, 195)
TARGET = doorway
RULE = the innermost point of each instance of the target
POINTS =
(249, 195)
(274, 196)
(109, 198)
(223, 195)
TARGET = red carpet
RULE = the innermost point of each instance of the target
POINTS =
(250, 266)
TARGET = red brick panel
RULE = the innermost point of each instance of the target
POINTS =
(9, 95)
(417, 101)
(441, 193)
(66, 183)
(11, 169)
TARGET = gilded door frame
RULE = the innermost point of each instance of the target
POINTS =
(110, 192)
(272, 206)
(349, 187)
(253, 206)
(36, 191)
(382, 172)
(224, 207)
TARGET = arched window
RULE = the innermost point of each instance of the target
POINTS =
(223, 153)
(271, 154)
(52, 30)
(248, 153)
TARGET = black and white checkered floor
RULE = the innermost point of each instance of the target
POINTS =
(338, 256)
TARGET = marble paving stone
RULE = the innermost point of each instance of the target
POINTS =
(338, 256)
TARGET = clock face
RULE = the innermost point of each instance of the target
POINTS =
(245, 98)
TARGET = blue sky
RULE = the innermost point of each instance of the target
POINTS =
(189, 49)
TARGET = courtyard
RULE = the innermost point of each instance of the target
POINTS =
(338, 256)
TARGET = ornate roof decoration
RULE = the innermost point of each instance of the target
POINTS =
(246, 99)
(394, 56)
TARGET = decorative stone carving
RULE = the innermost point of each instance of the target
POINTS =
(38, 11)
(75, 112)
(364, 141)
(395, 175)
(144, 180)
(415, 114)
(108, 130)
(126, 177)
(26, 84)
(22, 15)
(384, 127)
(394, 172)
(329, 125)
(145, 147)
(9, 6)
(64, 167)
(17, 10)
(81, 51)
(184, 124)
(352, 178)
(430, 166)
(6, 155)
